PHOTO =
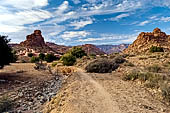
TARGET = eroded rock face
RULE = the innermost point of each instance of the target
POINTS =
(34, 40)
(145, 40)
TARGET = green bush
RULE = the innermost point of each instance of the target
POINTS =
(101, 66)
(14, 57)
(6, 55)
(54, 64)
(50, 58)
(34, 59)
(78, 52)
(5, 104)
(30, 54)
(41, 56)
(154, 68)
(156, 49)
(68, 59)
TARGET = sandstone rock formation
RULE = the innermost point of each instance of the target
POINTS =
(34, 40)
(146, 40)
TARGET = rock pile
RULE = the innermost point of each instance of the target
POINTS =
(31, 98)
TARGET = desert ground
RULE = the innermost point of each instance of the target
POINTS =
(108, 93)
(38, 91)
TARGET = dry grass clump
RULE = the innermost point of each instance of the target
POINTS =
(5, 104)
(129, 64)
(154, 68)
(165, 89)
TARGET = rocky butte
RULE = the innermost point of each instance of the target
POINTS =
(35, 41)
(146, 40)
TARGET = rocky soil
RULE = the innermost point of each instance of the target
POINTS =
(103, 93)
(29, 90)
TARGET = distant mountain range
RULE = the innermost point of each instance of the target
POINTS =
(109, 49)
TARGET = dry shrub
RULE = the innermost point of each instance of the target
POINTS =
(101, 66)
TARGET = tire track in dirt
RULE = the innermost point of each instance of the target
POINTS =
(94, 98)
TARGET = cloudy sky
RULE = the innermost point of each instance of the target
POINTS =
(74, 22)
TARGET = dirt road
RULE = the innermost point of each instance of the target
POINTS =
(103, 93)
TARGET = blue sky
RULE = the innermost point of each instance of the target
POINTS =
(75, 22)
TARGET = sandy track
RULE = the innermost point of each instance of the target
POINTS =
(94, 97)
(103, 93)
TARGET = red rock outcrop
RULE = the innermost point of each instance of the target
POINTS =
(34, 40)
(146, 40)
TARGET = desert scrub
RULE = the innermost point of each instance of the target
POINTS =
(134, 75)
(5, 104)
(154, 81)
(167, 64)
(54, 64)
(119, 60)
(154, 68)
(68, 59)
(156, 49)
(101, 66)
(129, 64)
(165, 89)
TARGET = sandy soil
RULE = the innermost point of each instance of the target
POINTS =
(103, 93)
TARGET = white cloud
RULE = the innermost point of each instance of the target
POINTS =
(81, 23)
(68, 35)
(25, 4)
(110, 39)
(165, 19)
(63, 7)
(89, 39)
(117, 18)
(144, 23)
(76, 1)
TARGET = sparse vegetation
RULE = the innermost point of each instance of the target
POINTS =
(154, 68)
(153, 80)
(50, 58)
(5, 104)
(156, 49)
(68, 59)
(134, 75)
(78, 52)
(34, 59)
(119, 60)
(41, 56)
(54, 64)
(129, 64)
(165, 89)
(101, 66)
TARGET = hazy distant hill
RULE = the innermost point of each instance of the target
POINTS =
(109, 49)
